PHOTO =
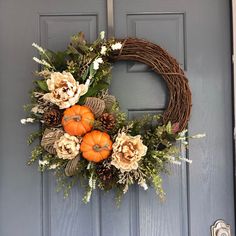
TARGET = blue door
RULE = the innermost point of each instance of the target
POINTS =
(197, 33)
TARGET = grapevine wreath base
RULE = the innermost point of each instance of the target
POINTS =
(179, 107)
(84, 136)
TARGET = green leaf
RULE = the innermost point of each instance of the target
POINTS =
(94, 90)
(169, 128)
(92, 72)
(72, 50)
(98, 87)
(85, 75)
(59, 60)
(42, 85)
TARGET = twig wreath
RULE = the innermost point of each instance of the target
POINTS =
(85, 137)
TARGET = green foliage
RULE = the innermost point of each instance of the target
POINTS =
(157, 183)
(121, 119)
(33, 136)
(85, 74)
(42, 85)
(93, 91)
(78, 44)
(119, 196)
(35, 154)
(59, 60)
(27, 107)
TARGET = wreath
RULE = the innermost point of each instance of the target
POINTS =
(85, 137)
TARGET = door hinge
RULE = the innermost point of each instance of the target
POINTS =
(220, 228)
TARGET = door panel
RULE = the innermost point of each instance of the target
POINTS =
(197, 34)
(56, 29)
(141, 91)
(70, 216)
(194, 33)
(29, 203)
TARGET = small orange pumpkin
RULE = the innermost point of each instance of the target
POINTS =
(96, 146)
(78, 120)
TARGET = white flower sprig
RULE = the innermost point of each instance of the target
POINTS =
(186, 160)
(173, 160)
(42, 62)
(97, 63)
(42, 52)
(116, 46)
(27, 120)
(198, 136)
(102, 35)
(144, 185)
(103, 50)
(40, 49)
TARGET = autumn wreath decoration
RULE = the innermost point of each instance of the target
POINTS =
(85, 137)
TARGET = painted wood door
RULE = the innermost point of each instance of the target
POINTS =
(197, 33)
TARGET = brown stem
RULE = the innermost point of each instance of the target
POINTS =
(75, 118)
(97, 148)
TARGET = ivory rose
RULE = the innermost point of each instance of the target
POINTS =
(67, 147)
(127, 151)
(65, 91)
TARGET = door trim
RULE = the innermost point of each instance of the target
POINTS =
(233, 50)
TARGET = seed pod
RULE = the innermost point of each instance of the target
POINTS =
(109, 102)
(71, 166)
(49, 138)
(96, 105)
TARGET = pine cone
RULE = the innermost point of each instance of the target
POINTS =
(104, 173)
(52, 117)
(108, 121)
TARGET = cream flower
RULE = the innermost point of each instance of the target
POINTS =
(43, 163)
(127, 151)
(103, 50)
(102, 34)
(97, 63)
(65, 91)
(67, 147)
(116, 46)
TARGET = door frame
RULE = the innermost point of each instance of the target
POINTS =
(233, 50)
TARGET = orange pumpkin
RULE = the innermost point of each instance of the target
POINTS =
(96, 146)
(77, 120)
